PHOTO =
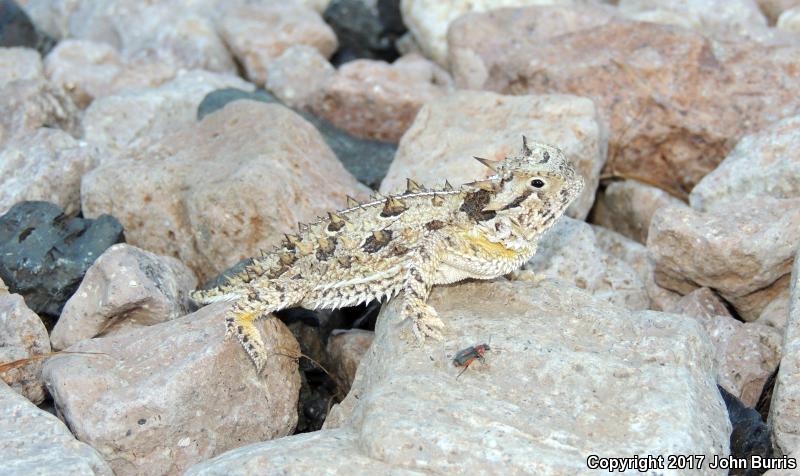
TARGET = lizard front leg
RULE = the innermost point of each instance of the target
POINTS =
(417, 285)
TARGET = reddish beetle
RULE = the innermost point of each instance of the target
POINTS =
(464, 358)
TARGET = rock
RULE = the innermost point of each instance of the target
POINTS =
(776, 313)
(747, 353)
(16, 29)
(790, 20)
(739, 16)
(635, 254)
(298, 75)
(628, 206)
(134, 118)
(45, 165)
(765, 163)
(367, 160)
(211, 213)
(45, 253)
(124, 289)
(89, 70)
(19, 64)
(750, 436)
(569, 252)
(36, 442)
(3, 288)
(606, 381)
(173, 394)
(671, 96)
(774, 8)
(257, 34)
(346, 348)
(428, 20)
(23, 336)
(366, 28)
(744, 250)
(784, 411)
(448, 132)
(376, 100)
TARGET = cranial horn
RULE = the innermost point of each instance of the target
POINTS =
(487, 163)
(526, 151)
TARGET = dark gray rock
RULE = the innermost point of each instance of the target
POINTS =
(365, 29)
(44, 253)
(16, 29)
(750, 435)
(367, 160)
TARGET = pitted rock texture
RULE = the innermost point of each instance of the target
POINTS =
(23, 336)
(158, 399)
(33, 441)
(743, 249)
(202, 192)
(45, 253)
(28, 104)
(448, 132)
(125, 288)
(588, 377)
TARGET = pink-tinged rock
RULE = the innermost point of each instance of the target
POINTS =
(676, 101)
(298, 75)
(28, 104)
(161, 398)
(19, 64)
(746, 353)
(345, 350)
(376, 100)
(635, 255)
(765, 163)
(258, 34)
(220, 190)
(22, 336)
(628, 206)
(125, 288)
(743, 250)
(87, 70)
(45, 165)
(776, 313)
(135, 117)
(449, 131)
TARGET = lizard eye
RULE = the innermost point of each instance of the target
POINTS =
(537, 183)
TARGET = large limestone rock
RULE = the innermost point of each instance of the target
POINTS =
(125, 288)
(673, 98)
(159, 399)
(448, 132)
(33, 441)
(298, 76)
(568, 376)
(742, 249)
(23, 336)
(19, 64)
(215, 192)
(765, 163)
(45, 165)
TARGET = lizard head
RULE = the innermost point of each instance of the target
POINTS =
(532, 188)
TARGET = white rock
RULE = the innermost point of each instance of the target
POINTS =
(22, 335)
(19, 63)
(28, 104)
(790, 20)
(33, 441)
(737, 15)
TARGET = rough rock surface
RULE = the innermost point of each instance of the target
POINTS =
(298, 75)
(784, 412)
(164, 397)
(448, 132)
(257, 34)
(346, 349)
(589, 378)
(747, 353)
(776, 313)
(133, 118)
(200, 192)
(627, 207)
(28, 104)
(676, 101)
(376, 100)
(765, 163)
(23, 336)
(570, 252)
(45, 253)
(33, 441)
(19, 64)
(738, 16)
(744, 250)
(45, 165)
(125, 288)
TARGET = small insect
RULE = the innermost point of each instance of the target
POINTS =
(465, 357)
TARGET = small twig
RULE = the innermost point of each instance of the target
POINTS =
(22, 362)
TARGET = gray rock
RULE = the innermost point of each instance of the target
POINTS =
(44, 253)
(161, 398)
(16, 29)
(568, 376)
(33, 441)
(22, 336)
(125, 288)
(365, 28)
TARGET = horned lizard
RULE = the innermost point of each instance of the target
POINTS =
(405, 243)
